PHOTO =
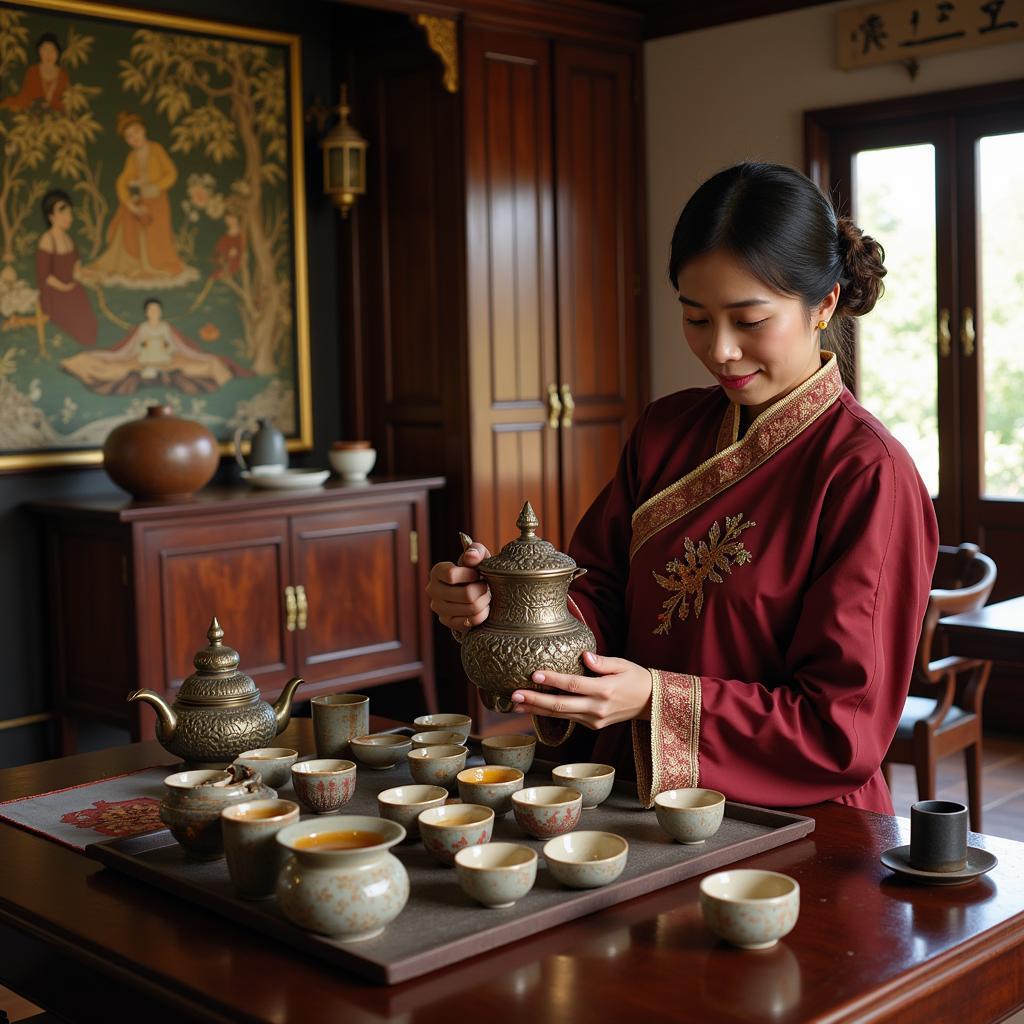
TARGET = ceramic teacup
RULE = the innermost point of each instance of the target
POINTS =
(491, 786)
(512, 750)
(437, 766)
(938, 835)
(594, 781)
(273, 763)
(452, 723)
(324, 784)
(547, 811)
(496, 874)
(254, 857)
(380, 750)
(438, 738)
(748, 908)
(446, 830)
(405, 803)
(337, 717)
(586, 860)
(690, 816)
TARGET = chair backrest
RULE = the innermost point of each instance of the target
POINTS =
(962, 582)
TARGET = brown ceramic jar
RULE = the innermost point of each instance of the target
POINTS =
(160, 455)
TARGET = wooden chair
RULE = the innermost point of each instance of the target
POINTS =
(934, 727)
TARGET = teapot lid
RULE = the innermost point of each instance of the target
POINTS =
(216, 679)
(528, 553)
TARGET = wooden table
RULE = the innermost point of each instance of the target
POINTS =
(995, 632)
(93, 945)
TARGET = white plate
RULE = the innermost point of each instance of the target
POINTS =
(287, 478)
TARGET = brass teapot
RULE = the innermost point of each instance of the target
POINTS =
(529, 627)
(218, 712)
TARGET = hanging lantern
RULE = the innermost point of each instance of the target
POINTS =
(344, 160)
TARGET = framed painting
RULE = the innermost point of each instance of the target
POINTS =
(152, 228)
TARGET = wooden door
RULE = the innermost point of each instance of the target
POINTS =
(357, 604)
(236, 570)
(598, 286)
(510, 259)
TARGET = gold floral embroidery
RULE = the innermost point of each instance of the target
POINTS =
(700, 562)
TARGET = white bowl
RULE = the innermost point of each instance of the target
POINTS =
(352, 464)
(585, 860)
(749, 908)
(496, 874)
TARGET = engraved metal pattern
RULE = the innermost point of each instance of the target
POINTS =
(530, 602)
(221, 734)
(207, 688)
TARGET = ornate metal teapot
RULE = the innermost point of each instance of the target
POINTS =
(529, 627)
(218, 712)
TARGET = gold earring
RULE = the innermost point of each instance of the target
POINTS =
(822, 324)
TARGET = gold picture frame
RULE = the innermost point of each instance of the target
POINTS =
(206, 217)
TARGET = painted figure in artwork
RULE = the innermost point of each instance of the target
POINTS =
(141, 251)
(153, 354)
(61, 295)
(229, 248)
(45, 82)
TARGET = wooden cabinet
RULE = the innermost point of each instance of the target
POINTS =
(324, 584)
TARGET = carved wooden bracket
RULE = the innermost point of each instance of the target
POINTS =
(443, 38)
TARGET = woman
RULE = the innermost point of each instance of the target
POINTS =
(760, 563)
(61, 296)
(154, 354)
(141, 251)
(44, 83)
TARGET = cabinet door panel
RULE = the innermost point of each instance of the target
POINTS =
(235, 571)
(597, 265)
(356, 570)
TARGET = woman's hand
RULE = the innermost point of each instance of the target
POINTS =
(457, 595)
(619, 692)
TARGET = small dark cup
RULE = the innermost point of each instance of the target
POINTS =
(938, 835)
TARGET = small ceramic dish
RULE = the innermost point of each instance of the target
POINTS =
(749, 908)
(323, 785)
(380, 750)
(594, 781)
(547, 811)
(452, 723)
(287, 479)
(437, 766)
(496, 874)
(273, 764)
(446, 830)
(352, 464)
(491, 786)
(512, 750)
(586, 860)
(690, 816)
(404, 804)
(438, 738)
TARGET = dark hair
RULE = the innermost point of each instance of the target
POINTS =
(786, 232)
(50, 201)
(146, 303)
(49, 37)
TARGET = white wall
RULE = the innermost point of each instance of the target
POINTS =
(739, 91)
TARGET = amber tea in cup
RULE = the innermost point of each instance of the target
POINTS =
(344, 839)
(489, 775)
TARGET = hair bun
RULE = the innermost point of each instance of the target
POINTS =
(863, 269)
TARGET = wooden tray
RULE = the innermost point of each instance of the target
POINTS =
(440, 925)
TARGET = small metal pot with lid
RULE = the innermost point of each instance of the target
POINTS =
(529, 627)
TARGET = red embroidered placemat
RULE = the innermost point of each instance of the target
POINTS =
(123, 805)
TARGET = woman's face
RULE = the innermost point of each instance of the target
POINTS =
(758, 343)
(48, 53)
(61, 215)
(135, 134)
(154, 312)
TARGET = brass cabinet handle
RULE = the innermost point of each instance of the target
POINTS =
(569, 404)
(554, 407)
(967, 332)
(945, 338)
(302, 604)
(290, 608)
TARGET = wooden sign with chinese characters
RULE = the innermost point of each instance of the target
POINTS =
(903, 29)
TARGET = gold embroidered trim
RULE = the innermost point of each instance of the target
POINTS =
(701, 562)
(667, 756)
(771, 431)
(730, 428)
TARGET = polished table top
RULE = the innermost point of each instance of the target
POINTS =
(995, 632)
(867, 946)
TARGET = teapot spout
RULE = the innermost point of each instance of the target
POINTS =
(167, 720)
(283, 704)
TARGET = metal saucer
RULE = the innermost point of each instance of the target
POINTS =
(978, 862)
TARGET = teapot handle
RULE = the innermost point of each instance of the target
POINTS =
(577, 573)
(240, 433)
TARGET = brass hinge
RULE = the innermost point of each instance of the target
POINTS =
(414, 547)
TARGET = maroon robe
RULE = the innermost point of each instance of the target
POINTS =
(774, 586)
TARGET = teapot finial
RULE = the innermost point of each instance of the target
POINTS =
(527, 523)
(215, 634)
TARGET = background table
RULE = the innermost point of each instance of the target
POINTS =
(96, 946)
(995, 632)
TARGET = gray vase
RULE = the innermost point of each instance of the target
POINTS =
(266, 447)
